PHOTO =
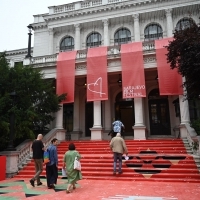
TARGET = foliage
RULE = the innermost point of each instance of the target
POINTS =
(195, 145)
(196, 125)
(184, 54)
(33, 105)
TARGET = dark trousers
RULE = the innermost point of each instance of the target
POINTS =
(117, 157)
(51, 174)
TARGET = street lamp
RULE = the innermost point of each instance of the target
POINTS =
(29, 41)
(12, 123)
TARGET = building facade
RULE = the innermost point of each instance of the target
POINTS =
(94, 23)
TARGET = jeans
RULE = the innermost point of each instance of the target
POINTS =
(117, 156)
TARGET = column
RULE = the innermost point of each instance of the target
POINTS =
(51, 41)
(184, 115)
(76, 125)
(59, 118)
(77, 37)
(96, 130)
(136, 27)
(106, 33)
(168, 13)
(139, 128)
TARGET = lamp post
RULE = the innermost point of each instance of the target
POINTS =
(12, 123)
(29, 41)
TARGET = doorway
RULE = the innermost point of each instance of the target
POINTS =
(124, 110)
(159, 114)
(89, 120)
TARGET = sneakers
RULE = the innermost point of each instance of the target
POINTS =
(120, 172)
(39, 184)
(32, 182)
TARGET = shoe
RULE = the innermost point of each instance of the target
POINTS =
(52, 186)
(32, 182)
(74, 187)
(114, 173)
(120, 172)
(68, 191)
(39, 184)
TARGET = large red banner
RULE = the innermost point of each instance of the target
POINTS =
(170, 82)
(97, 80)
(65, 79)
(133, 79)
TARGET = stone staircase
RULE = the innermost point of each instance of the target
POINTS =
(149, 160)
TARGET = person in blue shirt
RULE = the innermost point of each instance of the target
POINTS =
(52, 166)
(117, 127)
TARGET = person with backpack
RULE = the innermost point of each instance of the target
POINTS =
(52, 165)
(117, 127)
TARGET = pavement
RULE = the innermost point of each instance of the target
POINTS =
(17, 189)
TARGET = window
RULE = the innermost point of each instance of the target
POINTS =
(94, 40)
(67, 44)
(153, 32)
(184, 23)
(122, 36)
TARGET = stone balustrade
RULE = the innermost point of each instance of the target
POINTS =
(88, 4)
(112, 52)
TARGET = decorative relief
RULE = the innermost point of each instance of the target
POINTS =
(80, 67)
(150, 59)
(113, 63)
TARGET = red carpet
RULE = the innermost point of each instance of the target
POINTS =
(150, 160)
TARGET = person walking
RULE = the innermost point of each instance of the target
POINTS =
(73, 175)
(52, 166)
(118, 147)
(117, 127)
(38, 151)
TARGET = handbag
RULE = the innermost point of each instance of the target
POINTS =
(77, 164)
(64, 174)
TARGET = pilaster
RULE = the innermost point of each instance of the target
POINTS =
(106, 33)
(59, 118)
(168, 13)
(136, 27)
(51, 33)
(77, 37)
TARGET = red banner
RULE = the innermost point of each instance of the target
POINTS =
(133, 79)
(65, 79)
(170, 82)
(97, 81)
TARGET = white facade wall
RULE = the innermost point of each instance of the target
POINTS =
(89, 16)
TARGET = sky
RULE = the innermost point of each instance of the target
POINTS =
(16, 15)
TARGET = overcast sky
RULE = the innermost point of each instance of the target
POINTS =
(16, 15)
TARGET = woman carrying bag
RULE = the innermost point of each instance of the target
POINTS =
(69, 161)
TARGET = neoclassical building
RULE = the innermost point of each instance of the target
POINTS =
(93, 24)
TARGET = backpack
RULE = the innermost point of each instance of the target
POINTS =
(46, 157)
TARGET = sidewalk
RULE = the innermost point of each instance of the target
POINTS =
(100, 190)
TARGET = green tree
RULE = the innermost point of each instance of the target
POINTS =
(33, 105)
(184, 54)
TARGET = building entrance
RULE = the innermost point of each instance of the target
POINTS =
(159, 114)
(124, 110)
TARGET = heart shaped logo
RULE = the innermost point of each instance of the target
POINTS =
(96, 87)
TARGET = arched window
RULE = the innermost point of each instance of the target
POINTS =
(122, 36)
(153, 32)
(184, 23)
(67, 44)
(93, 40)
